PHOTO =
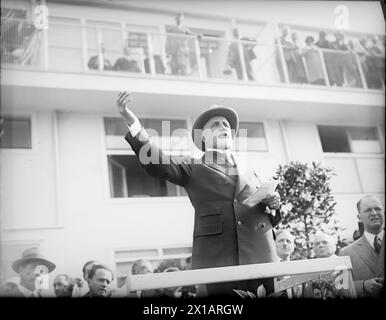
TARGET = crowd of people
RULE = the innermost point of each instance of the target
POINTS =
(304, 61)
(366, 253)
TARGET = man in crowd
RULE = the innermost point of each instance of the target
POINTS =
(324, 245)
(368, 252)
(177, 47)
(284, 244)
(231, 226)
(31, 267)
(127, 62)
(63, 286)
(99, 281)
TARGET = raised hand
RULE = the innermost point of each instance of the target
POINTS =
(124, 103)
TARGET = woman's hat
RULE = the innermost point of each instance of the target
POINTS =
(214, 111)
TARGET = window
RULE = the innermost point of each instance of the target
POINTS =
(349, 139)
(254, 140)
(126, 176)
(125, 259)
(15, 133)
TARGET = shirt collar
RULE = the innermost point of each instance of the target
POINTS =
(370, 237)
(26, 292)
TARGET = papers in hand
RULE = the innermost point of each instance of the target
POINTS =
(266, 189)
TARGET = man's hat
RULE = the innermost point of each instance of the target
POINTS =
(32, 255)
(214, 111)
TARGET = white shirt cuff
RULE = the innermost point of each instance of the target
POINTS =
(135, 128)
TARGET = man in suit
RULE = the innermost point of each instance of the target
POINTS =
(368, 252)
(99, 281)
(227, 230)
(284, 244)
(324, 245)
(30, 267)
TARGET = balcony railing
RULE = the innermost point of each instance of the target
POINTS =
(77, 48)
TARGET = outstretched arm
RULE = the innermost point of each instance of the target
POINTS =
(150, 156)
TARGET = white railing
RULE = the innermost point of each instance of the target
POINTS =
(74, 47)
(246, 272)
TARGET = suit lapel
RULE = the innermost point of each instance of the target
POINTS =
(210, 160)
(367, 253)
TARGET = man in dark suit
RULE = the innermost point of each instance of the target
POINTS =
(368, 252)
(227, 231)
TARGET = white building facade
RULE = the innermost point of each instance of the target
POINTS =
(69, 181)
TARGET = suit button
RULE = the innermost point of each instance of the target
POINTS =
(235, 201)
(239, 223)
(226, 182)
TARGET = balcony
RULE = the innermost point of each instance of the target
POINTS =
(118, 51)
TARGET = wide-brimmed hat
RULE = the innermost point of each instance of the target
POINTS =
(32, 255)
(214, 111)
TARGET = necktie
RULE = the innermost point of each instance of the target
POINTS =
(377, 245)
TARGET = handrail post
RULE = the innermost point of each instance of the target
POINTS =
(242, 60)
(321, 56)
(84, 42)
(150, 54)
(361, 73)
(281, 52)
(198, 58)
(100, 53)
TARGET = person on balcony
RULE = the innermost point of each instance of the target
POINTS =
(93, 62)
(338, 60)
(376, 64)
(368, 252)
(351, 67)
(327, 54)
(177, 47)
(127, 62)
(313, 63)
(228, 230)
(287, 48)
(297, 73)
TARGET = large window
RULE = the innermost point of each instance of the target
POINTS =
(251, 137)
(125, 259)
(126, 177)
(15, 133)
(349, 139)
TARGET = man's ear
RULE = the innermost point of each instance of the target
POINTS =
(359, 218)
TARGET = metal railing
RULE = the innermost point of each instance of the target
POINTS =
(73, 47)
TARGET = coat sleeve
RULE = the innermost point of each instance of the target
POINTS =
(156, 162)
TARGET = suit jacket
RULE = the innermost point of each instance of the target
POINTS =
(365, 262)
(11, 289)
(226, 232)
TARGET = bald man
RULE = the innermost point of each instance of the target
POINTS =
(324, 245)
(368, 252)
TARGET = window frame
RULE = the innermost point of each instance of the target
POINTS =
(267, 135)
(34, 137)
(159, 257)
(106, 152)
(353, 154)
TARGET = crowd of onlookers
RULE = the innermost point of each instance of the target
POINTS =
(330, 58)
(366, 253)
(304, 60)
